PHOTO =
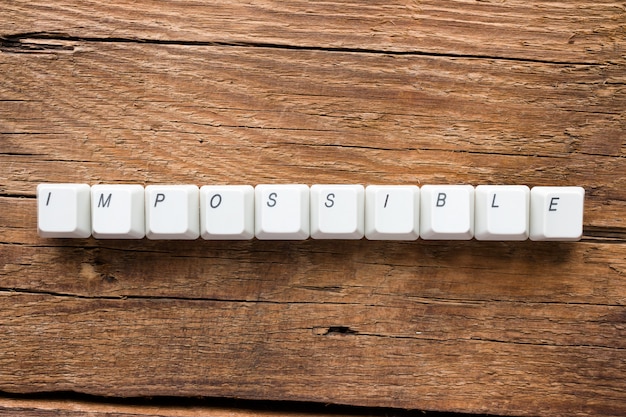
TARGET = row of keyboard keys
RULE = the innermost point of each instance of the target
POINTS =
(322, 211)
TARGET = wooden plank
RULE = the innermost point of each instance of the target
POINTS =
(408, 120)
(579, 31)
(328, 352)
(26, 407)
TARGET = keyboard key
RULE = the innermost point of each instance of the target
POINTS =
(337, 211)
(556, 213)
(117, 211)
(172, 212)
(392, 212)
(227, 212)
(64, 210)
(502, 212)
(282, 211)
(447, 212)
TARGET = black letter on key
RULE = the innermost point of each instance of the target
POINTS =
(493, 202)
(441, 199)
(48, 200)
(553, 203)
(329, 201)
(219, 201)
(160, 197)
(386, 199)
(272, 199)
(104, 203)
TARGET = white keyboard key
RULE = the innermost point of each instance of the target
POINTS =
(447, 212)
(64, 210)
(172, 212)
(117, 211)
(392, 212)
(227, 212)
(282, 211)
(337, 211)
(502, 212)
(556, 213)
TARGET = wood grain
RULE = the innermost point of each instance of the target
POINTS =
(316, 92)
(38, 407)
(405, 119)
(577, 31)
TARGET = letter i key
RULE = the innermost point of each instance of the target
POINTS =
(63, 210)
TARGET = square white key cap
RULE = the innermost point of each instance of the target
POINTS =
(117, 211)
(227, 212)
(281, 211)
(556, 213)
(172, 212)
(502, 212)
(64, 210)
(337, 211)
(447, 212)
(392, 212)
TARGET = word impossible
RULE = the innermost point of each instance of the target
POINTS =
(322, 211)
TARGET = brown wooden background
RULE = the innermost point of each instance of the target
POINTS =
(370, 92)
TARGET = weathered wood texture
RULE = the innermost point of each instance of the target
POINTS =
(73, 408)
(427, 92)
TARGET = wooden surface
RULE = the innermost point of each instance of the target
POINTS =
(511, 92)
(92, 407)
(37, 405)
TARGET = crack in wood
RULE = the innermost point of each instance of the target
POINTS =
(123, 297)
(18, 42)
(425, 149)
(349, 331)
(334, 330)
(17, 195)
(421, 300)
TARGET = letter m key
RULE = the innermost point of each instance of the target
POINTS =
(102, 202)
